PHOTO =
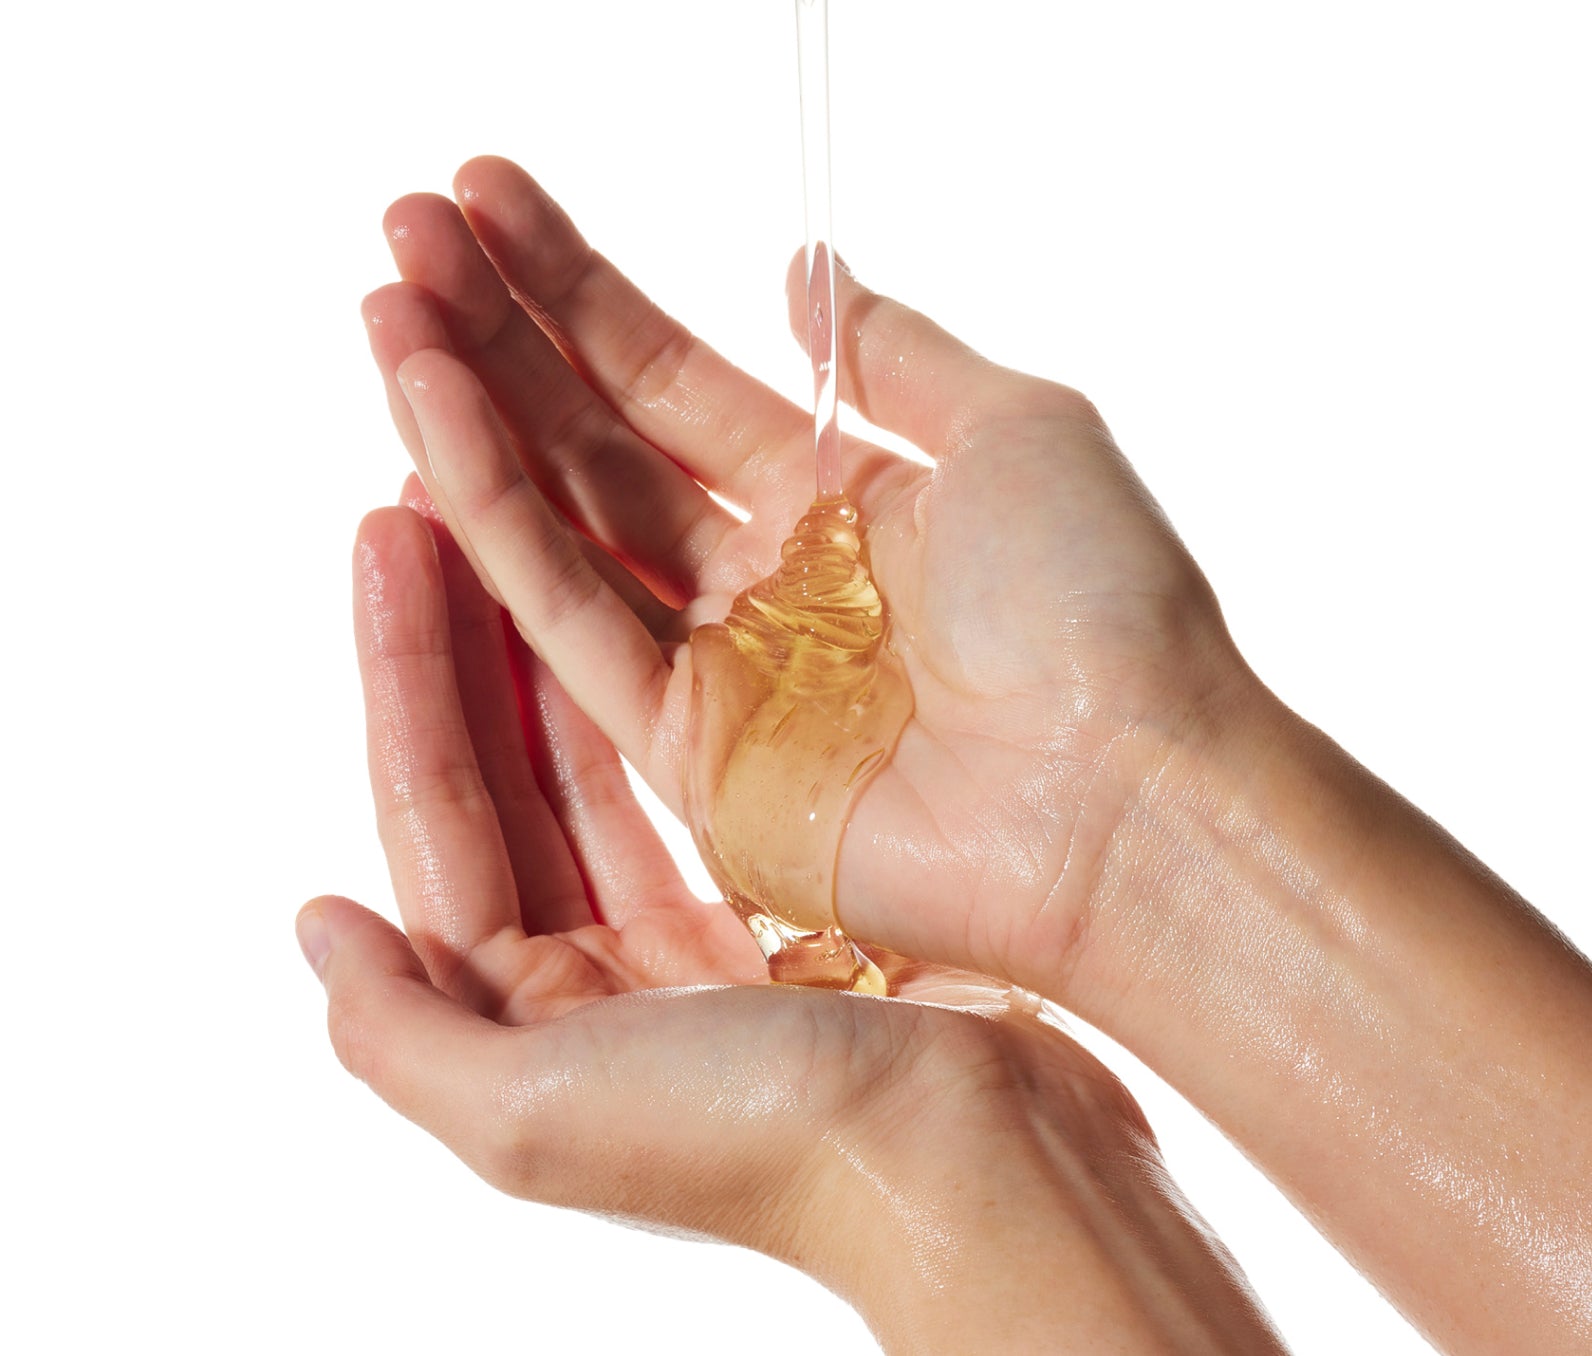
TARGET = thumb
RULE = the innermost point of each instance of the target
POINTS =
(428, 1057)
(684, 1108)
(898, 369)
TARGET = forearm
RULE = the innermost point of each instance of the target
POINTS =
(1382, 1025)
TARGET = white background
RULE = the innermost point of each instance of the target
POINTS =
(1325, 270)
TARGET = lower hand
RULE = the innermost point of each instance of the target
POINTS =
(961, 1176)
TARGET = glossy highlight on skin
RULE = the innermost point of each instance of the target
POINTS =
(419, 862)
(797, 701)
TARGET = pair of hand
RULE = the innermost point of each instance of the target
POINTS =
(546, 1015)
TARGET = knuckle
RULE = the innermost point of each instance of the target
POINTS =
(494, 494)
(507, 1156)
(569, 584)
(1052, 399)
(557, 259)
(513, 1143)
(664, 354)
(396, 646)
(1081, 407)
(573, 434)
(451, 777)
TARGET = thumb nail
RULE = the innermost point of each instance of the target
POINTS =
(313, 938)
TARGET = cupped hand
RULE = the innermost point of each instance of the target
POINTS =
(581, 1030)
(1056, 634)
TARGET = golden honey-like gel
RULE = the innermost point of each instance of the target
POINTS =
(796, 702)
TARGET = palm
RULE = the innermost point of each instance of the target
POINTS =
(1028, 662)
(671, 942)
(1045, 620)
(1039, 601)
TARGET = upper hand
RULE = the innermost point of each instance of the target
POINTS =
(1056, 634)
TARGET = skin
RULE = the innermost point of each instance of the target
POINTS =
(1096, 798)
(942, 858)
(557, 1014)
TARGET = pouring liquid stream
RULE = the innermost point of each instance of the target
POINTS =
(812, 56)
(797, 700)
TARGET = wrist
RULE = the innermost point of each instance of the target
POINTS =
(1230, 821)
(1008, 1195)
(1139, 865)
(1236, 861)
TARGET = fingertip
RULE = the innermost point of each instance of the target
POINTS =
(403, 305)
(393, 1029)
(796, 298)
(517, 222)
(389, 523)
(396, 567)
(847, 290)
(364, 954)
(398, 222)
(417, 499)
(401, 318)
(367, 535)
(796, 277)
(361, 943)
(314, 938)
(420, 371)
(371, 307)
(473, 178)
(329, 925)
(451, 407)
(796, 273)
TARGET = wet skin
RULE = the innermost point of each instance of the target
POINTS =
(1094, 796)
(580, 1029)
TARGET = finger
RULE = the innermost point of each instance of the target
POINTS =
(552, 895)
(668, 626)
(401, 319)
(901, 371)
(429, 1058)
(625, 864)
(438, 825)
(567, 614)
(729, 431)
(619, 490)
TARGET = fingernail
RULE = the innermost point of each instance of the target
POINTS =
(843, 266)
(313, 938)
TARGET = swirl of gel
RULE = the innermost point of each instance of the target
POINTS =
(796, 702)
